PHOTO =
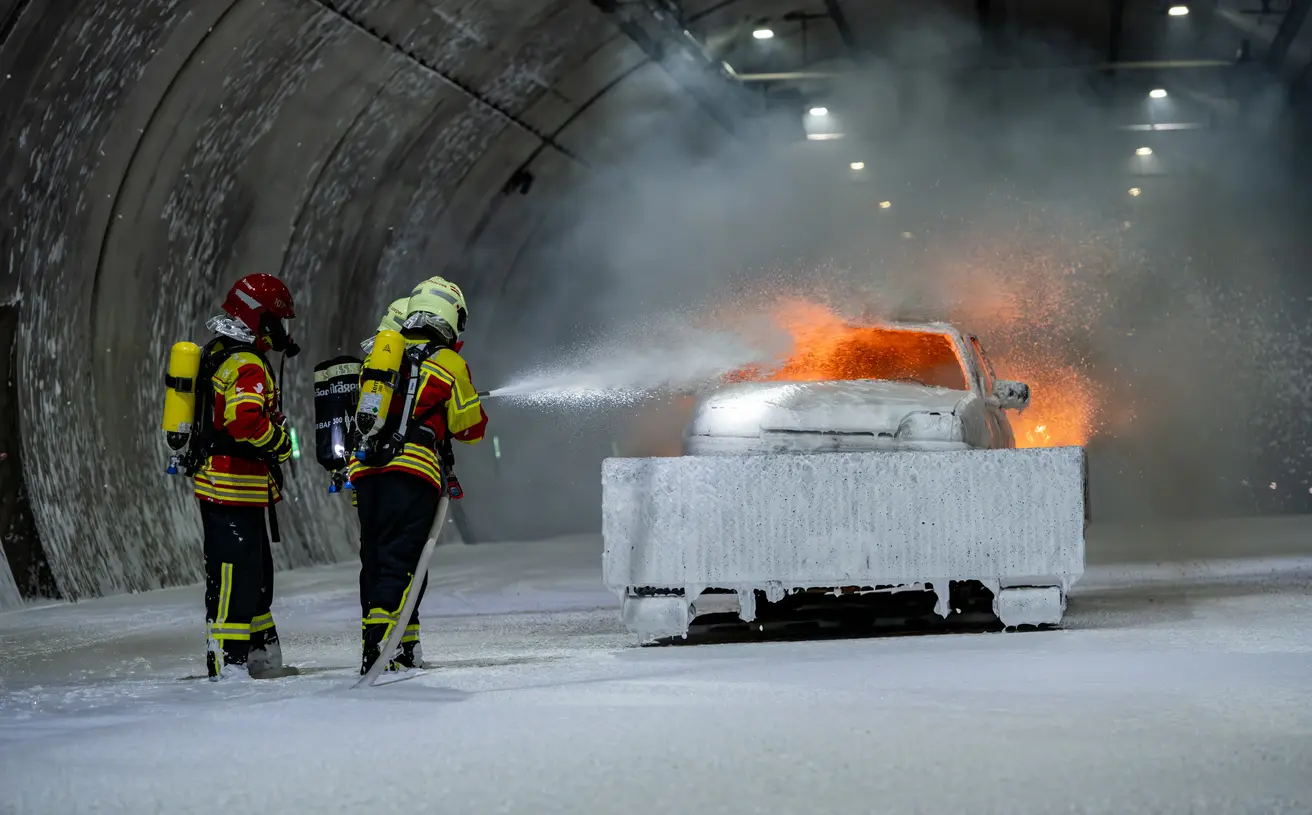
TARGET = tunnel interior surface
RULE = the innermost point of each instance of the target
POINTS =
(577, 168)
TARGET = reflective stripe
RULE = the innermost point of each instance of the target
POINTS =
(390, 618)
(225, 590)
(220, 628)
(262, 622)
(411, 633)
(230, 405)
(463, 401)
(230, 488)
(415, 459)
(264, 437)
(219, 479)
(378, 616)
(256, 498)
(229, 631)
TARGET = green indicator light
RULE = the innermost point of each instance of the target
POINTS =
(496, 446)
(296, 447)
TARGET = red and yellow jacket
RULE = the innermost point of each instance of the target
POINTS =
(443, 378)
(245, 402)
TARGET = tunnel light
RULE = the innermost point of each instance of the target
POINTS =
(763, 34)
(819, 111)
(496, 446)
(824, 136)
(1162, 126)
(1157, 93)
(1135, 192)
(857, 165)
(885, 204)
(1144, 151)
(1178, 11)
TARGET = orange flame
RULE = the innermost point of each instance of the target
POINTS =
(1063, 405)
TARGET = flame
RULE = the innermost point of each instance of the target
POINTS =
(826, 347)
(823, 346)
(1063, 406)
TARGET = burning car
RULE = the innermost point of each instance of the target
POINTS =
(893, 387)
(875, 469)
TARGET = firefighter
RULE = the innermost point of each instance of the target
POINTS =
(392, 321)
(398, 491)
(236, 456)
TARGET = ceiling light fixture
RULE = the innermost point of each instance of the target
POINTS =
(857, 165)
(819, 111)
(823, 136)
(1144, 151)
(763, 34)
(1135, 192)
(1157, 93)
(885, 204)
(1178, 11)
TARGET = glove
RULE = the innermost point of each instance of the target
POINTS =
(280, 447)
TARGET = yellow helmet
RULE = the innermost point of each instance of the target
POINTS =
(392, 321)
(437, 298)
(450, 287)
(434, 304)
(396, 314)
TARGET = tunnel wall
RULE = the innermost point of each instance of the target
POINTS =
(165, 148)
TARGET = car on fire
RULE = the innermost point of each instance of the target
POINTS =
(897, 386)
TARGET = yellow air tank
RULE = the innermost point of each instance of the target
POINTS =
(180, 393)
(180, 398)
(380, 378)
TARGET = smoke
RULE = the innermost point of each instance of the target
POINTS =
(996, 199)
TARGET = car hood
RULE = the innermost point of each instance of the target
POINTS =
(863, 406)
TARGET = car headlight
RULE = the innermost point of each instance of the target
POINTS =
(924, 425)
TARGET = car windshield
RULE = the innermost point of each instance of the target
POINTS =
(872, 352)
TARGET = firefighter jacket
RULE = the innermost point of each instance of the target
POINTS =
(443, 379)
(247, 434)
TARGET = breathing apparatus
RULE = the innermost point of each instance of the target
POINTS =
(436, 308)
(180, 399)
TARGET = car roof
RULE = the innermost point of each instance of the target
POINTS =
(926, 327)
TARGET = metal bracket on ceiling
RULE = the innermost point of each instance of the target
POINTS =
(655, 27)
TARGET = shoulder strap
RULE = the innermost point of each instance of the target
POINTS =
(423, 355)
(206, 435)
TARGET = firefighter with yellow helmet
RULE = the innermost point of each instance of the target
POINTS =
(399, 474)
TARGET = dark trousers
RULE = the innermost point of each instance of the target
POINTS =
(238, 582)
(396, 516)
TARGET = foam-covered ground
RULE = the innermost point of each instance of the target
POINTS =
(1173, 689)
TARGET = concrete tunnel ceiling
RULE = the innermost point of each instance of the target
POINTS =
(161, 149)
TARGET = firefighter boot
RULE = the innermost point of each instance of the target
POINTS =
(371, 639)
(411, 656)
(226, 664)
(266, 652)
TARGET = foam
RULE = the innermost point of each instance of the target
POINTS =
(775, 523)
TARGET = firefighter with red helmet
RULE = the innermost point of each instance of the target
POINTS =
(234, 463)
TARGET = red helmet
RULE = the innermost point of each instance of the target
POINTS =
(262, 302)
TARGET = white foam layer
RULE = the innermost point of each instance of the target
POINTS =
(1032, 606)
(778, 522)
